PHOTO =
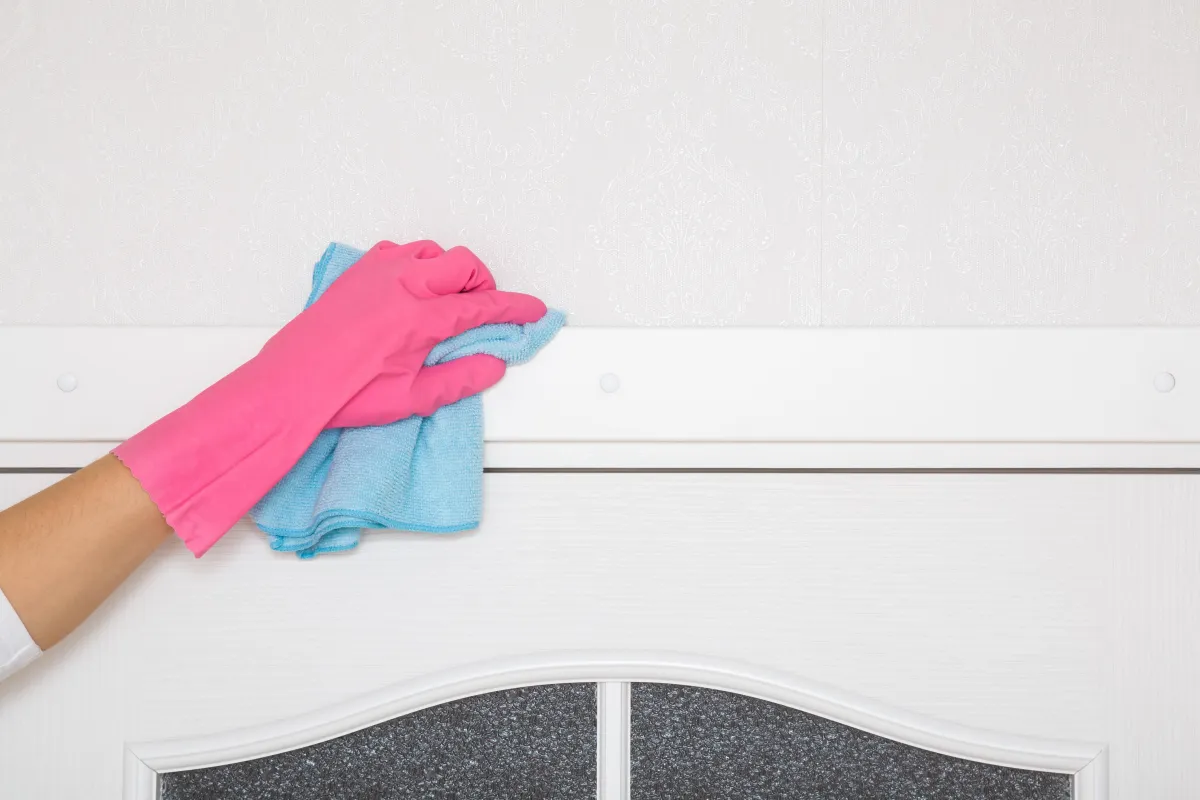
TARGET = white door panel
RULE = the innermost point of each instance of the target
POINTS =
(1038, 605)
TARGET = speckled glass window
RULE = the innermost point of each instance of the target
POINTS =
(538, 742)
(699, 744)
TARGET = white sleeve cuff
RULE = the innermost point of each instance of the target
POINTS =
(16, 647)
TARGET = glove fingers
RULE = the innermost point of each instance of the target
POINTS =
(390, 398)
(443, 384)
(461, 312)
(456, 270)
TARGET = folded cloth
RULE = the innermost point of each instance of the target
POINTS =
(418, 474)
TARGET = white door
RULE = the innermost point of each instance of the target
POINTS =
(1037, 621)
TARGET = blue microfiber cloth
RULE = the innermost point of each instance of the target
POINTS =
(418, 474)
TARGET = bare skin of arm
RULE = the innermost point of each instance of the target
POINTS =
(65, 549)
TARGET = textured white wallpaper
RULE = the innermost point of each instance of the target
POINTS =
(662, 162)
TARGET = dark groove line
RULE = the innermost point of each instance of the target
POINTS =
(765, 470)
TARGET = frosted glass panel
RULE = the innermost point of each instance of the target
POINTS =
(536, 742)
(699, 744)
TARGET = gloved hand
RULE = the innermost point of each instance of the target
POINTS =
(354, 357)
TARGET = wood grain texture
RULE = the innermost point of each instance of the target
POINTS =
(1046, 605)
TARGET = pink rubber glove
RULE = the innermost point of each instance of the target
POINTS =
(354, 357)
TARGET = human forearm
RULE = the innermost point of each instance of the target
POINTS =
(65, 549)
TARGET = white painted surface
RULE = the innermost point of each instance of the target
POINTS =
(783, 162)
(752, 456)
(613, 737)
(1046, 606)
(616, 671)
(700, 398)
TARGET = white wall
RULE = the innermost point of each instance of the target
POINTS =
(782, 162)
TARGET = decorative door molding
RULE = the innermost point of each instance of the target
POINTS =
(613, 672)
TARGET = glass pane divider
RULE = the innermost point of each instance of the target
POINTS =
(612, 740)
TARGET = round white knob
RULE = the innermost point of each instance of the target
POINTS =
(1164, 381)
(67, 382)
(609, 382)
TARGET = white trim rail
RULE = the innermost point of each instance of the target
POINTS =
(937, 398)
